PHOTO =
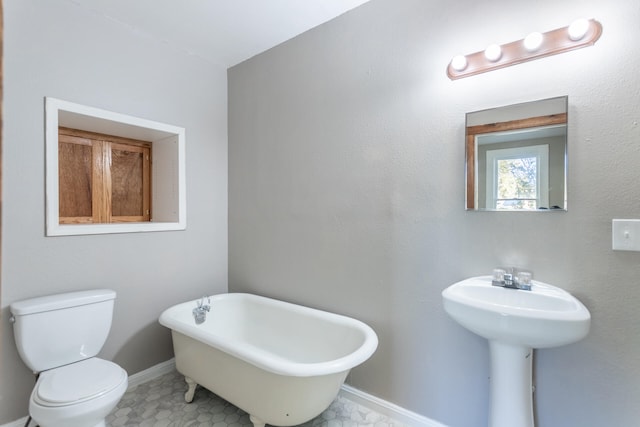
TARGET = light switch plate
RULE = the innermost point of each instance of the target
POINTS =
(626, 234)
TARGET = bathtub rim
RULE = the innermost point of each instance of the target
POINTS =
(265, 359)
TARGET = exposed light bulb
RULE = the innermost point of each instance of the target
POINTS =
(578, 29)
(493, 52)
(459, 62)
(533, 41)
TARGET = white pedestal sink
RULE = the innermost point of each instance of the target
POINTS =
(515, 322)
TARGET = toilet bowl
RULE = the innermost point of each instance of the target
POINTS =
(58, 337)
(81, 394)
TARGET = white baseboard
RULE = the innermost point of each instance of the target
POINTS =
(151, 373)
(359, 397)
(388, 409)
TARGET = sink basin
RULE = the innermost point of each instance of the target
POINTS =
(545, 316)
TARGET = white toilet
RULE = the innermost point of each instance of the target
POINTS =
(57, 337)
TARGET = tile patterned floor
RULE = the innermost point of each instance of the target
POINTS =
(160, 403)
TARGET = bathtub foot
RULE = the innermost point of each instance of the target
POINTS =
(188, 396)
(256, 421)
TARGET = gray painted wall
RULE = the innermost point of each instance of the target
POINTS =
(57, 48)
(346, 192)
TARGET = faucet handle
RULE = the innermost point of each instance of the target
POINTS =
(200, 302)
(524, 280)
(498, 277)
(202, 305)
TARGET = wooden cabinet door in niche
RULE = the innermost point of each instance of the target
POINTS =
(103, 178)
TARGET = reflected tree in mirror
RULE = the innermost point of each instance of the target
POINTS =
(517, 157)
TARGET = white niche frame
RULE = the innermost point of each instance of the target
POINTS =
(168, 172)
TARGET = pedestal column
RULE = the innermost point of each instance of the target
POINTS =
(511, 385)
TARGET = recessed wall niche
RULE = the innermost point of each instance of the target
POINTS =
(166, 208)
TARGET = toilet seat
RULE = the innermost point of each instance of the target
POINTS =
(77, 382)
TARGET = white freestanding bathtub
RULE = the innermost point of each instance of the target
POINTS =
(281, 363)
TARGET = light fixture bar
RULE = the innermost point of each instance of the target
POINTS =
(581, 33)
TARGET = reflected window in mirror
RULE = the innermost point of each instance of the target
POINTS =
(516, 177)
(517, 157)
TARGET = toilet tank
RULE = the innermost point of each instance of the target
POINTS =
(59, 329)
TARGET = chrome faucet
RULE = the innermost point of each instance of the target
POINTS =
(512, 279)
(200, 312)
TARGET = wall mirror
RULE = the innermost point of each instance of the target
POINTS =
(516, 157)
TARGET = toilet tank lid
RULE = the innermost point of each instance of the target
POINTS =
(60, 301)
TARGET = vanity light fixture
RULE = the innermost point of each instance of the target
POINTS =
(581, 33)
